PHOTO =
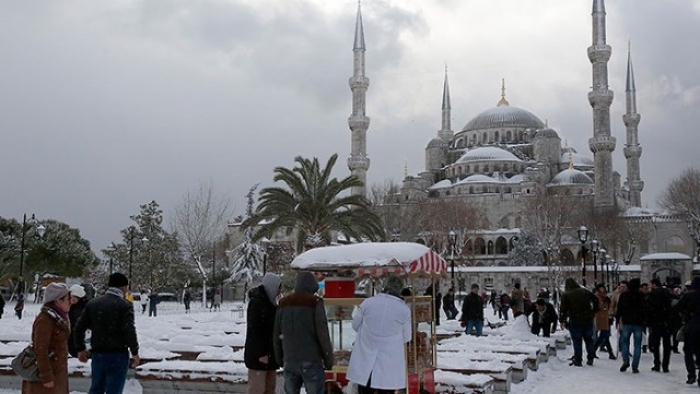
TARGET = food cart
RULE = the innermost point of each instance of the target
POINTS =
(344, 266)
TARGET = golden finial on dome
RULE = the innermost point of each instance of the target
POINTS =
(503, 102)
(571, 160)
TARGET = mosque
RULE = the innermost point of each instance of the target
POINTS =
(506, 155)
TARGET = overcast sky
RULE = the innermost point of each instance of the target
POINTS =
(106, 105)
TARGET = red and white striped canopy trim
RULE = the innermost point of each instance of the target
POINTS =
(430, 263)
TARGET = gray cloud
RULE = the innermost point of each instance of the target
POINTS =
(105, 106)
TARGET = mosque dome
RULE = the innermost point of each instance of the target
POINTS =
(487, 153)
(437, 143)
(546, 133)
(571, 177)
(504, 116)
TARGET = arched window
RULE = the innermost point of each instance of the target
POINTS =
(468, 248)
(518, 222)
(509, 136)
(490, 248)
(567, 257)
(505, 222)
(501, 246)
(496, 136)
(479, 246)
(460, 143)
(484, 138)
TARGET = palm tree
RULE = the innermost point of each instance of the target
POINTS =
(314, 204)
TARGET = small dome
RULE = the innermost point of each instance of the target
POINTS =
(504, 116)
(546, 133)
(578, 160)
(487, 153)
(445, 183)
(437, 143)
(571, 177)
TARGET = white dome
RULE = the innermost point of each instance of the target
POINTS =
(504, 116)
(479, 178)
(572, 177)
(487, 153)
(445, 183)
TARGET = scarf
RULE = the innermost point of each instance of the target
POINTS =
(55, 312)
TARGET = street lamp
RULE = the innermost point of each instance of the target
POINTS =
(265, 242)
(583, 237)
(616, 272)
(453, 241)
(603, 257)
(132, 229)
(41, 230)
(594, 249)
(110, 249)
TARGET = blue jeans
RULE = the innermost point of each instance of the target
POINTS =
(582, 332)
(477, 324)
(629, 330)
(310, 374)
(504, 312)
(109, 372)
(451, 313)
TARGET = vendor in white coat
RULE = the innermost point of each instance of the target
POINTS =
(383, 326)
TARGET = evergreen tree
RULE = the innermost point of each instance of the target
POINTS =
(247, 260)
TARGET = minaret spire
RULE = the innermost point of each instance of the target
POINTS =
(358, 162)
(602, 144)
(446, 132)
(503, 102)
(632, 150)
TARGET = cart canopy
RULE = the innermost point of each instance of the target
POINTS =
(374, 259)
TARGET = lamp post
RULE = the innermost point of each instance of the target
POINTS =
(41, 230)
(616, 272)
(595, 248)
(110, 249)
(453, 241)
(265, 242)
(132, 229)
(583, 237)
(603, 257)
(607, 270)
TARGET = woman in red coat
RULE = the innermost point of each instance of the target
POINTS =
(50, 338)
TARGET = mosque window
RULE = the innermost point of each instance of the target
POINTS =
(509, 135)
(567, 258)
(497, 136)
(501, 246)
(468, 248)
(518, 222)
(505, 223)
(480, 246)
(488, 284)
(484, 137)
(489, 248)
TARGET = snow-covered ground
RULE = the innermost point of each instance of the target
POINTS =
(213, 335)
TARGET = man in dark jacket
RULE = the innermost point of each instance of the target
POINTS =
(111, 319)
(544, 318)
(576, 311)
(689, 308)
(448, 304)
(301, 339)
(658, 321)
(259, 353)
(631, 317)
(473, 312)
(434, 291)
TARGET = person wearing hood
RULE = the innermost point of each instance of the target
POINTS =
(301, 339)
(631, 316)
(50, 338)
(78, 302)
(689, 308)
(259, 353)
(576, 312)
(383, 326)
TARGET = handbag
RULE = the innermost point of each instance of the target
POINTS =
(25, 365)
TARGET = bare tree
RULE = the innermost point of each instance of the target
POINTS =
(682, 198)
(200, 221)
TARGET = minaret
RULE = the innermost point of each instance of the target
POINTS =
(358, 162)
(600, 97)
(446, 132)
(632, 148)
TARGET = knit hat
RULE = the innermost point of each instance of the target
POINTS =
(55, 291)
(118, 279)
(475, 285)
(77, 290)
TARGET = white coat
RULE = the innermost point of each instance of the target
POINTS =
(383, 326)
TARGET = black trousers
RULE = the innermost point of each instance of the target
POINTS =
(660, 336)
(691, 352)
(367, 389)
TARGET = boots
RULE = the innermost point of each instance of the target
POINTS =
(644, 348)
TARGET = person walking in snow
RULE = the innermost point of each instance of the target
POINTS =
(144, 301)
(602, 322)
(153, 302)
(689, 308)
(473, 312)
(577, 309)
(631, 317)
(658, 321)
(259, 353)
(186, 299)
(383, 326)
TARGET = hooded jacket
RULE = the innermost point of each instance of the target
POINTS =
(578, 305)
(631, 308)
(260, 323)
(689, 306)
(301, 328)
